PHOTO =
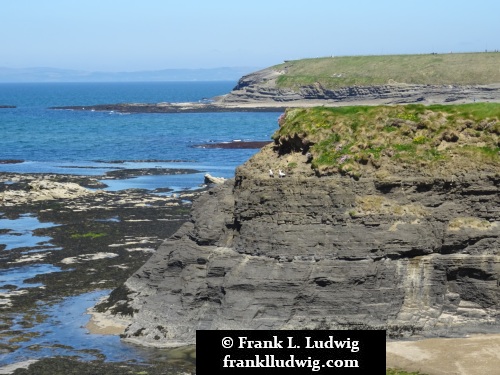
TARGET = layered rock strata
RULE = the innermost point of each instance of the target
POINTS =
(261, 87)
(413, 255)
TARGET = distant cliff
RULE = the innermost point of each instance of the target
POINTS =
(389, 79)
(261, 87)
(404, 245)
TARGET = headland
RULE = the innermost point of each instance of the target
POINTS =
(385, 218)
(345, 81)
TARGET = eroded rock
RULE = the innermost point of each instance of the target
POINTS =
(305, 252)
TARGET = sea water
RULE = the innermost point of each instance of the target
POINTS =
(93, 143)
(61, 333)
(90, 143)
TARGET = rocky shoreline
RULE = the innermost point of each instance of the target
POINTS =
(263, 97)
(235, 145)
(126, 223)
(172, 108)
(95, 240)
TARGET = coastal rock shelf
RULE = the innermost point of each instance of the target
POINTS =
(235, 144)
(60, 224)
(170, 108)
(255, 95)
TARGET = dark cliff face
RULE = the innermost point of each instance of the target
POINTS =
(410, 255)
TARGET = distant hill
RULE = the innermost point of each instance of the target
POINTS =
(385, 79)
(426, 69)
(67, 75)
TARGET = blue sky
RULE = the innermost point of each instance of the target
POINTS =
(126, 35)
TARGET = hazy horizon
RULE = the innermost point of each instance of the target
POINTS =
(129, 36)
(50, 74)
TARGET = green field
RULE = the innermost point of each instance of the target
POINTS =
(363, 140)
(430, 69)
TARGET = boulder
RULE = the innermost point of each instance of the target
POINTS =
(209, 179)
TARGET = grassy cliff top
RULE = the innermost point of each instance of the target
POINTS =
(382, 140)
(430, 69)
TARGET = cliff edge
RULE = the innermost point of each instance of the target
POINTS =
(406, 239)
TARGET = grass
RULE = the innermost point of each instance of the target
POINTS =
(357, 140)
(435, 69)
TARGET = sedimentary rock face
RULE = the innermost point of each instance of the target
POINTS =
(407, 251)
(409, 256)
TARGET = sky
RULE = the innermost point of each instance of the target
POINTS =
(134, 35)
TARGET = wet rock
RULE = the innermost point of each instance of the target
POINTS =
(60, 365)
(130, 173)
(193, 107)
(235, 145)
(11, 161)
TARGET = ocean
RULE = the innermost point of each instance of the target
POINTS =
(91, 143)
(44, 140)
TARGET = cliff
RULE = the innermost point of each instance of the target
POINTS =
(261, 88)
(386, 79)
(407, 243)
